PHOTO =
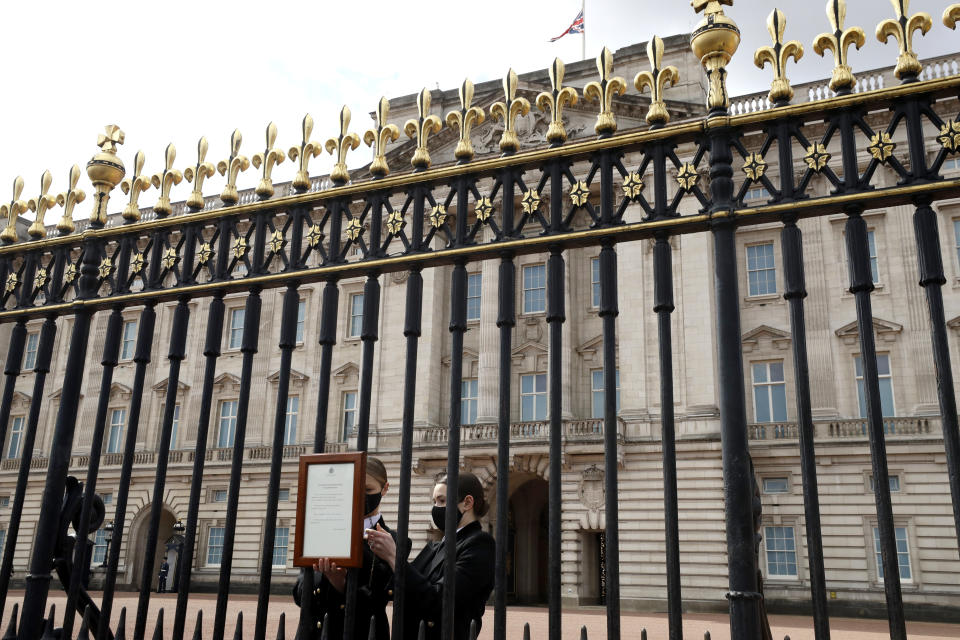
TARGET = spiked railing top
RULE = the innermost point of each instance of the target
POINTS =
(656, 79)
(165, 180)
(135, 185)
(68, 200)
(464, 119)
(604, 91)
(308, 149)
(554, 101)
(508, 111)
(419, 129)
(231, 167)
(40, 205)
(379, 137)
(778, 55)
(197, 174)
(339, 147)
(268, 159)
(839, 41)
(902, 29)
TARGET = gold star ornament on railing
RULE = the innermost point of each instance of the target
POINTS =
(778, 55)
(903, 28)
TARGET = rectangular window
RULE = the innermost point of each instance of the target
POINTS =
(107, 498)
(228, 423)
(99, 548)
(301, 319)
(894, 482)
(290, 420)
(781, 552)
(214, 546)
(128, 343)
(283, 495)
(16, 437)
(219, 495)
(776, 485)
(118, 418)
(952, 163)
(236, 328)
(756, 193)
(4, 501)
(761, 270)
(874, 264)
(533, 397)
(349, 413)
(474, 284)
(3, 539)
(176, 426)
(595, 281)
(356, 315)
(468, 401)
(769, 392)
(30, 351)
(535, 288)
(887, 407)
(597, 394)
(280, 540)
(903, 553)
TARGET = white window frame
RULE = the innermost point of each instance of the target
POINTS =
(231, 423)
(531, 304)
(792, 541)
(301, 320)
(280, 533)
(348, 415)
(877, 557)
(175, 426)
(215, 496)
(597, 393)
(595, 283)
(764, 269)
(861, 388)
(283, 491)
(128, 340)
(956, 238)
(536, 397)
(235, 332)
(220, 531)
(116, 430)
(17, 424)
(469, 398)
(769, 385)
(355, 319)
(756, 193)
(874, 253)
(474, 296)
(99, 548)
(31, 345)
(290, 420)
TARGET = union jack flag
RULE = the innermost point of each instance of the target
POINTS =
(575, 27)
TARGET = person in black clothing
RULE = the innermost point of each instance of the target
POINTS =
(424, 576)
(329, 596)
(162, 579)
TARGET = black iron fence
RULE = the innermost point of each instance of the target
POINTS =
(669, 179)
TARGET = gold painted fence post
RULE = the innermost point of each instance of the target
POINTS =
(269, 158)
(339, 147)
(40, 205)
(135, 185)
(657, 79)
(464, 119)
(508, 110)
(604, 91)
(714, 41)
(198, 174)
(231, 167)
(421, 128)
(839, 42)
(165, 180)
(12, 211)
(554, 101)
(308, 149)
(902, 29)
(105, 171)
(778, 55)
(68, 200)
(378, 138)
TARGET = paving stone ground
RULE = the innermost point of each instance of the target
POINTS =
(797, 627)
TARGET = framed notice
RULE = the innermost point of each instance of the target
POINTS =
(330, 496)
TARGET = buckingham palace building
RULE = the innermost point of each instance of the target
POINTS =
(925, 536)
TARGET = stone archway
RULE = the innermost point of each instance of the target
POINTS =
(137, 541)
(528, 540)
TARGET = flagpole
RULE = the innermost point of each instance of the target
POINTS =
(583, 41)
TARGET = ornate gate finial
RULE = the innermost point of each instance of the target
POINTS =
(12, 212)
(778, 55)
(554, 101)
(951, 15)
(657, 79)
(105, 171)
(908, 65)
(40, 205)
(197, 175)
(165, 180)
(604, 91)
(339, 147)
(508, 111)
(308, 149)
(421, 128)
(269, 158)
(135, 185)
(838, 42)
(715, 40)
(464, 119)
(231, 167)
(68, 200)
(378, 138)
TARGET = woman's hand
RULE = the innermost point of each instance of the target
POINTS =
(337, 576)
(382, 545)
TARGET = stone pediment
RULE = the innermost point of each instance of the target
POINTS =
(954, 324)
(342, 372)
(760, 336)
(162, 386)
(468, 354)
(531, 356)
(122, 390)
(20, 398)
(225, 379)
(295, 376)
(884, 329)
(592, 349)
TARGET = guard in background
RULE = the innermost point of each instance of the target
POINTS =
(162, 579)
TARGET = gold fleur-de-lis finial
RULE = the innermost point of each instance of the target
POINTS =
(951, 15)
(778, 55)
(40, 205)
(68, 200)
(308, 149)
(839, 42)
(464, 119)
(231, 167)
(269, 158)
(379, 137)
(903, 28)
(554, 101)
(111, 137)
(134, 186)
(105, 170)
(604, 91)
(421, 128)
(339, 147)
(12, 211)
(657, 79)
(508, 112)
(198, 174)
(165, 180)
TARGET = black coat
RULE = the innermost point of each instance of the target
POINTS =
(423, 595)
(372, 598)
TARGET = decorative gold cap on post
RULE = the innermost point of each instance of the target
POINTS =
(554, 101)
(508, 112)
(307, 149)
(657, 79)
(715, 40)
(231, 167)
(378, 138)
(340, 145)
(135, 185)
(40, 205)
(908, 65)
(421, 128)
(198, 174)
(464, 119)
(270, 157)
(164, 181)
(604, 91)
(778, 55)
(68, 200)
(105, 171)
(12, 211)
(839, 42)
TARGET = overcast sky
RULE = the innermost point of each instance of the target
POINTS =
(173, 71)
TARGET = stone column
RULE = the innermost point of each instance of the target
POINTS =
(489, 367)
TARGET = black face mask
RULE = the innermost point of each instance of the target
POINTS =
(439, 513)
(371, 502)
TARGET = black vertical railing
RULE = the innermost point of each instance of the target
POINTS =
(556, 315)
(11, 371)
